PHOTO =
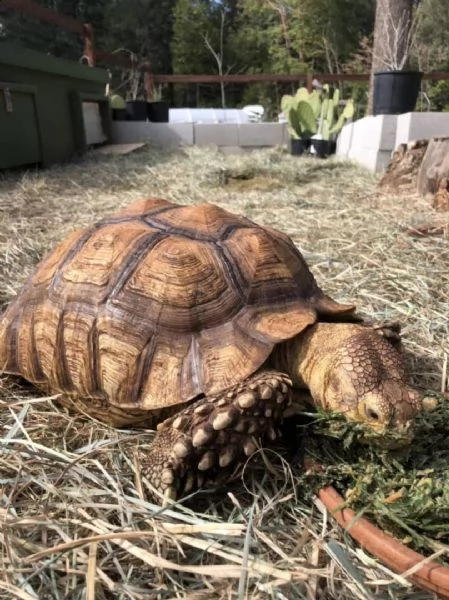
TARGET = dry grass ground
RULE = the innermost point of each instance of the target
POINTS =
(74, 519)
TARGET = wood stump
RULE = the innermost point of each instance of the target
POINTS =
(421, 165)
(433, 176)
(402, 171)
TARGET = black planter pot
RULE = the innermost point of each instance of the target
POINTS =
(158, 112)
(322, 147)
(395, 92)
(298, 147)
(119, 114)
(136, 110)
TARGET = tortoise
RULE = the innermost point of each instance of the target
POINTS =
(204, 323)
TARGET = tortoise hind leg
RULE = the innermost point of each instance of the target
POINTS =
(208, 439)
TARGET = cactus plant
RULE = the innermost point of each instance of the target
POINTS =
(301, 111)
(347, 113)
(313, 116)
(329, 123)
(117, 102)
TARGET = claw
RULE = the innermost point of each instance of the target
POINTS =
(169, 496)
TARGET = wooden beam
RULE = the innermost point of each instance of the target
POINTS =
(248, 78)
(89, 50)
(44, 14)
(267, 77)
(257, 77)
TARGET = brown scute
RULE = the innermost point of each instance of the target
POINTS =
(46, 269)
(157, 304)
(273, 271)
(140, 208)
(203, 221)
(102, 255)
(277, 326)
(188, 281)
(331, 310)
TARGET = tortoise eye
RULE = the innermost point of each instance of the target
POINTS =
(371, 414)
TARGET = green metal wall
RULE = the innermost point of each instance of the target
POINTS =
(41, 96)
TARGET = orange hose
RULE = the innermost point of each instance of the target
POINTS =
(430, 576)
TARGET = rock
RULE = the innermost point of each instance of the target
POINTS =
(402, 172)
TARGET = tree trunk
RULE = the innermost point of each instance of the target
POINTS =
(392, 30)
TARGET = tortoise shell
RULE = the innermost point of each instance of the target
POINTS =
(157, 304)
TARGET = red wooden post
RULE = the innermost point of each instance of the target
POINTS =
(89, 50)
(310, 82)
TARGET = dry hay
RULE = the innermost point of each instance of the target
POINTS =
(75, 522)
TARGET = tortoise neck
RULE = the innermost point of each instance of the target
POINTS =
(310, 355)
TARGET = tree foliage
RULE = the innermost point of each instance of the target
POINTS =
(239, 36)
(297, 35)
(194, 22)
(143, 27)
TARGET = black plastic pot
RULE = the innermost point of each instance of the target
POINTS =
(322, 147)
(158, 112)
(395, 92)
(136, 110)
(298, 147)
(119, 114)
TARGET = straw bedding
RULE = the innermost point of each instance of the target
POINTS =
(75, 522)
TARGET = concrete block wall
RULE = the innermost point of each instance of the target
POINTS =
(165, 134)
(419, 126)
(371, 140)
(216, 134)
(223, 135)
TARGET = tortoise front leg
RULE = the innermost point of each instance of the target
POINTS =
(208, 439)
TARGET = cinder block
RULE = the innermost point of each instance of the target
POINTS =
(421, 125)
(369, 141)
(285, 135)
(216, 134)
(344, 139)
(374, 160)
(260, 134)
(375, 132)
(164, 134)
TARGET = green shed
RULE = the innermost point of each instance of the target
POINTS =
(44, 102)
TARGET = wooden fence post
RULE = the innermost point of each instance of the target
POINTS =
(310, 82)
(89, 49)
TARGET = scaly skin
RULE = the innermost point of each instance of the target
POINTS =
(354, 370)
(348, 368)
(208, 439)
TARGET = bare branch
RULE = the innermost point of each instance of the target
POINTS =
(219, 55)
(399, 38)
(215, 54)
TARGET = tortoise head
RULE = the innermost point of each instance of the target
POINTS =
(352, 369)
